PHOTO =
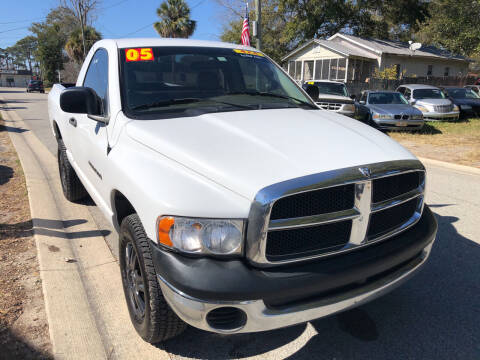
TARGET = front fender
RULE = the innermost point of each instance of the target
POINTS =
(156, 185)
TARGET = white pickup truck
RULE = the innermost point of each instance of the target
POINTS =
(240, 205)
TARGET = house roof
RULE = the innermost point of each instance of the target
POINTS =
(335, 47)
(396, 47)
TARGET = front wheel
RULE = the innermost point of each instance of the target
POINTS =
(151, 316)
(72, 187)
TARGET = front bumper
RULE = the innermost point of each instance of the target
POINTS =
(289, 295)
(398, 124)
(436, 116)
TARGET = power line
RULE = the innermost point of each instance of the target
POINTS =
(20, 21)
(20, 28)
(142, 28)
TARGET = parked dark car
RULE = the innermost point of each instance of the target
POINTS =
(35, 85)
(474, 88)
(466, 99)
(388, 110)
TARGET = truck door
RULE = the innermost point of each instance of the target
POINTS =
(90, 138)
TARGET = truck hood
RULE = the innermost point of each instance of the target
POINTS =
(246, 151)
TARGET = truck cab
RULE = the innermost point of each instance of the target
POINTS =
(240, 205)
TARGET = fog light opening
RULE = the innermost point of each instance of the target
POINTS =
(226, 318)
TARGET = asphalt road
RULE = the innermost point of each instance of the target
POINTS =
(436, 315)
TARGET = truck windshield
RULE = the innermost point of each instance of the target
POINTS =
(332, 88)
(195, 80)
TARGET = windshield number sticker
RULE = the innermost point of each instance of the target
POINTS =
(140, 54)
(248, 52)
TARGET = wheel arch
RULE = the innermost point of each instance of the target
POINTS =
(122, 207)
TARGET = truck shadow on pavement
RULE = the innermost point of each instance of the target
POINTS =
(433, 316)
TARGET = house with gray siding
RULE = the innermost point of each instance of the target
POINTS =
(344, 57)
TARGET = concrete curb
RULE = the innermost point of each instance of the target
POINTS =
(451, 166)
(84, 300)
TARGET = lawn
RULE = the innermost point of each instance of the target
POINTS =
(457, 142)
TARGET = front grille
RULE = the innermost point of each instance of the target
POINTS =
(288, 224)
(403, 117)
(387, 220)
(443, 108)
(316, 202)
(392, 186)
(329, 106)
(287, 244)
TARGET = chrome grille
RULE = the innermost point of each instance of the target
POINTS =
(387, 202)
(329, 106)
(443, 108)
(402, 117)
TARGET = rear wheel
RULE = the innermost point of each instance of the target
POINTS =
(150, 314)
(72, 187)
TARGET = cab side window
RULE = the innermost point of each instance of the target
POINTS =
(97, 77)
(401, 90)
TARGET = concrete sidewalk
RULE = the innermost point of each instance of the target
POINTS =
(84, 300)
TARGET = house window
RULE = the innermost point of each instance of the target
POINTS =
(291, 68)
(447, 71)
(298, 70)
(430, 70)
(333, 69)
(318, 70)
(308, 70)
(342, 68)
(325, 69)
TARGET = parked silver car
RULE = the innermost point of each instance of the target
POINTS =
(388, 110)
(431, 101)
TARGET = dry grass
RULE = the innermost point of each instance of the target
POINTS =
(457, 142)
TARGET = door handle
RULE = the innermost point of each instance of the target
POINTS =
(73, 122)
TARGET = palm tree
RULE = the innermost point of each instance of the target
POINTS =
(175, 20)
(74, 45)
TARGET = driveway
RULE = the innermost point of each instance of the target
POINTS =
(436, 315)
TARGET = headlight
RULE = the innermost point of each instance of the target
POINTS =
(422, 108)
(381, 116)
(456, 108)
(201, 236)
(348, 107)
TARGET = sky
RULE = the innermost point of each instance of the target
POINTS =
(115, 19)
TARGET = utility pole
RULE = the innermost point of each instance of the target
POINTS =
(258, 18)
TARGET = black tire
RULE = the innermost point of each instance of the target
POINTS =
(72, 187)
(150, 314)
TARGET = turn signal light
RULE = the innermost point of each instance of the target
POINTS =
(164, 226)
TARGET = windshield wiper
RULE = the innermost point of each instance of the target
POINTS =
(166, 103)
(169, 102)
(260, 93)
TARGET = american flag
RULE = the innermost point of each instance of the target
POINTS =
(245, 29)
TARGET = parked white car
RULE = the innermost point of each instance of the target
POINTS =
(240, 205)
(431, 101)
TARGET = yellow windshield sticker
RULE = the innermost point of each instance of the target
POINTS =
(248, 52)
(311, 83)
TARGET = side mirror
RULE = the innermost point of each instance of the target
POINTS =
(353, 97)
(81, 100)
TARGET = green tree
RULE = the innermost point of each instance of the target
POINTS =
(52, 35)
(387, 19)
(74, 45)
(453, 26)
(175, 20)
(274, 42)
(26, 48)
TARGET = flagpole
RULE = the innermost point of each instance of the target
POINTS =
(258, 18)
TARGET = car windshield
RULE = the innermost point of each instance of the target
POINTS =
(386, 98)
(332, 88)
(461, 93)
(196, 80)
(428, 94)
